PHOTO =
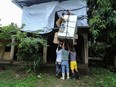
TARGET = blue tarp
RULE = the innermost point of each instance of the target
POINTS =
(22, 3)
(40, 17)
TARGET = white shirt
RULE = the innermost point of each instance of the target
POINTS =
(58, 55)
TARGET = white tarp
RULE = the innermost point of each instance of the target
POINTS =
(40, 17)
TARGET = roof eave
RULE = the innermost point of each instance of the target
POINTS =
(20, 6)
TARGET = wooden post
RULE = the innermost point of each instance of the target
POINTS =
(12, 49)
(45, 54)
(85, 49)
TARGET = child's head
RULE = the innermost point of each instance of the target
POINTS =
(66, 45)
(68, 12)
(63, 14)
(60, 45)
(72, 49)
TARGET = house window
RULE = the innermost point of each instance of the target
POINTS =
(7, 48)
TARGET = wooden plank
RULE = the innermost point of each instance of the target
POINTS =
(95, 58)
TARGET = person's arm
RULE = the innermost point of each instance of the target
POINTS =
(68, 48)
(58, 22)
(63, 45)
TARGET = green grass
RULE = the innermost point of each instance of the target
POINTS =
(10, 79)
(99, 77)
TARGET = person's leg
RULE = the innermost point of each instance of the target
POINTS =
(73, 74)
(72, 69)
(56, 68)
(75, 67)
(59, 69)
(63, 70)
(77, 72)
(77, 75)
(67, 69)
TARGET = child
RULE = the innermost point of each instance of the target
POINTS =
(73, 63)
(58, 59)
(65, 61)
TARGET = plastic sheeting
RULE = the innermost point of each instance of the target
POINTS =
(40, 17)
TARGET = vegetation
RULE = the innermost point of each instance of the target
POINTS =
(29, 51)
(28, 45)
(102, 21)
(98, 77)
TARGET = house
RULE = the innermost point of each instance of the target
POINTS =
(41, 15)
(7, 52)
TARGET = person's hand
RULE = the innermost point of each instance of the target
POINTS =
(63, 44)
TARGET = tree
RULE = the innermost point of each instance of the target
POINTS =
(102, 21)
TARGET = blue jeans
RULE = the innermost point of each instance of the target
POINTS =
(58, 68)
(65, 66)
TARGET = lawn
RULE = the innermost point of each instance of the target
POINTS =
(12, 77)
